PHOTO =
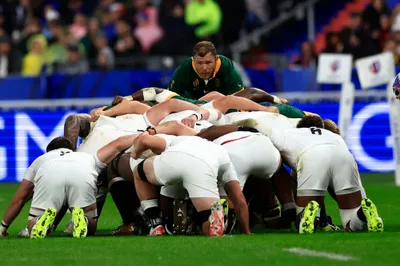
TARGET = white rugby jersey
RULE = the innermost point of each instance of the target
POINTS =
(64, 155)
(274, 119)
(203, 124)
(292, 143)
(212, 154)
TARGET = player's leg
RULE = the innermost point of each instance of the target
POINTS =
(312, 182)
(48, 198)
(173, 203)
(145, 179)
(211, 96)
(357, 213)
(268, 164)
(283, 187)
(122, 190)
(160, 111)
(81, 197)
(201, 184)
(223, 104)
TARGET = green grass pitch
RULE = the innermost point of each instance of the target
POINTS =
(263, 248)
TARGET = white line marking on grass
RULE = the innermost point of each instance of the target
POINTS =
(322, 254)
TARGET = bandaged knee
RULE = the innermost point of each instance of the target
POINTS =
(350, 218)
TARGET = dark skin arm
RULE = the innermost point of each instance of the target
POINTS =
(137, 96)
(257, 95)
(76, 125)
(215, 132)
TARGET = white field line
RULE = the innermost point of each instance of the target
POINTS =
(322, 254)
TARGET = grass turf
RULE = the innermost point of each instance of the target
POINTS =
(263, 248)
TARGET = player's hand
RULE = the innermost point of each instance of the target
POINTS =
(117, 99)
(280, 100)
(283, 101)
(95, 114)
(189, 121)
(5, 234)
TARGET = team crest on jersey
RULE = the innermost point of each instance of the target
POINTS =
(196, 83)
(217, 83)
(375, 67)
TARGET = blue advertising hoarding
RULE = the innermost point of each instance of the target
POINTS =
(25, 134)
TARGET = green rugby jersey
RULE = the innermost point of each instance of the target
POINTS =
(187, 83)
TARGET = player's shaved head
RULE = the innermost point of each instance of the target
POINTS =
(311, 121)
(58, 143)
(203, 48)
(331, 126)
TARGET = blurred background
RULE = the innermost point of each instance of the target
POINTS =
(58, 57)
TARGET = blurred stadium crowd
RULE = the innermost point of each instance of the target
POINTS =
(373, 31)
(73, 36)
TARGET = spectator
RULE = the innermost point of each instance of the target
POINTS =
(178, 37)
(390, 46)
(385, 30)
(89, 40)
(115, 13)
(396, 36)
(371, 16)
(79, 28)
(126, 44)
(333, 43)
(19, 13)
(32, 27)
(147, 30)
(105, 58)
(308, 56)
(205, 15)
(75, 64)
(10, 58)
(57, 50)
(33, 61)
(356, 40)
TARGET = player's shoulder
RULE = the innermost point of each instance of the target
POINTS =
(226, 63)
(185, 64)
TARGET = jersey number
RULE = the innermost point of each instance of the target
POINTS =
(315, 131)
(62, 153)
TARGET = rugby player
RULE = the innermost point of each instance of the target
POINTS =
(199, 165)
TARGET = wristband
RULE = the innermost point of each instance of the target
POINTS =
(198, 116)
(151, 130)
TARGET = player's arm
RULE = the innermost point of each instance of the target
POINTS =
(76, 125)
(234, 192)
(22, 196)
(126, 107)
(258, 95)
(172, 128)
(107, 153)
(145, 94)
(215, 132)
(148, 142)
